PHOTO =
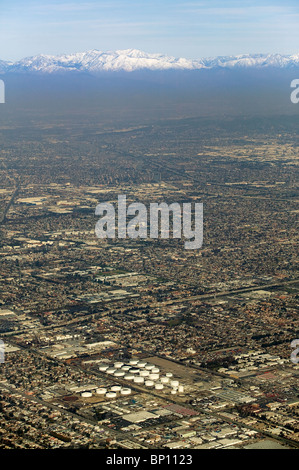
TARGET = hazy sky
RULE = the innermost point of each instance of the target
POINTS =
(180, 28)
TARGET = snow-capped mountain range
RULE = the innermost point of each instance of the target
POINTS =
(130, 60)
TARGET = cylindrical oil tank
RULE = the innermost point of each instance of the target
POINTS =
(116, 388)
(119, 373)
(129, 377)
(101, 391)
(139, 380)
(174, 383)
(164, 380)
(144, 373)
(149, 383)
(159, 386)
(154, 376)
(142, 364)
(118, 365)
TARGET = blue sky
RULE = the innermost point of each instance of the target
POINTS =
(180, 28)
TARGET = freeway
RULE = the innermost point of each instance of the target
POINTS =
(228, 293)
(13, 196)
(209, 296)
(9, 204)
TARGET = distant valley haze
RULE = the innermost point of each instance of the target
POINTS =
(137, 86)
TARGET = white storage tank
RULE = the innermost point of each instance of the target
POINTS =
(169, 374)
(181, 389)
(174, 383)
(159, 386)
(111, 395)
(119, 373)
(116, 388)
(149, 366)
(153, 376)
(103, 368)
(86, 394)
(155, 370)
(164, 380)
(133, 362)
(125, 391)
(126, 368)
(118, 365)
(139, 380)
(144, 373)
(110, 371)
(101, 391)
(134, 371)
(149, 383)
(173, 392)
(142, 364)
(129, 377)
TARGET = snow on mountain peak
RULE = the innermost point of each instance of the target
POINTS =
(129, 60)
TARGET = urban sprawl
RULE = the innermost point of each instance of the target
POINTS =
(139, 343)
